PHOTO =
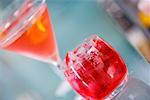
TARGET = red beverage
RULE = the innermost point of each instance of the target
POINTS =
(95, 69)
(38, 40)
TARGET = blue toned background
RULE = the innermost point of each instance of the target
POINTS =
(23, 78)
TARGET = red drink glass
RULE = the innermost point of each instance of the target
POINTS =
(26, 29)
(95, 70)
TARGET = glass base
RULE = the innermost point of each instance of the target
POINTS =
(115, 92)
(118, 89)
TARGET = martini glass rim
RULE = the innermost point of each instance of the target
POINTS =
(25, 22)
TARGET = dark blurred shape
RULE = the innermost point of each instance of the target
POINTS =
(116, 12)
(129, 8)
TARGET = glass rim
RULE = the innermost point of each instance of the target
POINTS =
(25, 21)
(89, 40)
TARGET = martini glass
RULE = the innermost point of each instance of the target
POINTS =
(25, 28)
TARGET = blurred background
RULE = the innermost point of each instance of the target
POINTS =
(125, 24)
(134, 18)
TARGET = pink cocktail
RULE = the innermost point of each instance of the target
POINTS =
(95, 70)
(34, 37)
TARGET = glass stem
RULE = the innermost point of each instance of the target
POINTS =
(58, 67)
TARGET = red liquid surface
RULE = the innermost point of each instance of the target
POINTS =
(38, 41)
(95, 71)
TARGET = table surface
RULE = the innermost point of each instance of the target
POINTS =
(73, 20)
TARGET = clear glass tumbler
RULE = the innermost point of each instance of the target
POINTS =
(95, 70)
